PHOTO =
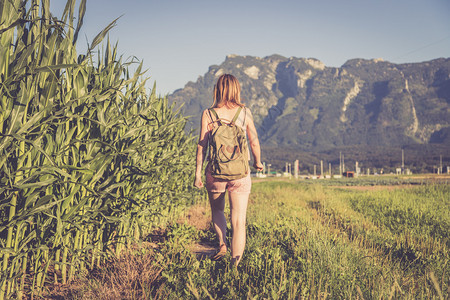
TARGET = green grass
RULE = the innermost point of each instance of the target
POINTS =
(313, 241)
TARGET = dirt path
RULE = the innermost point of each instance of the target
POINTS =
(199, 216)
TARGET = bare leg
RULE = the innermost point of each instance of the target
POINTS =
(238, 206)
(217, 202)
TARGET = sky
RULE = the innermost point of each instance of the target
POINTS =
(178, 40)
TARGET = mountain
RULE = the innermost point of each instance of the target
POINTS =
(299, 103)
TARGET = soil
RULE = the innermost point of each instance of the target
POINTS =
(199, 216)
(204, 250)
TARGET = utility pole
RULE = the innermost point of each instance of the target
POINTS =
(321, 168)
(343, 163)
(296, 169)
(403, 161)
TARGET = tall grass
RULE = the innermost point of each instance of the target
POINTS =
(88, 159)
(315, 242)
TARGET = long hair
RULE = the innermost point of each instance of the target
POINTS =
(227, 91)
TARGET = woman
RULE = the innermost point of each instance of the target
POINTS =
(226, 104)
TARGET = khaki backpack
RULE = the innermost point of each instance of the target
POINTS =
(228, 148)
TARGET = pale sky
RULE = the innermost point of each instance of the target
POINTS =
(179, 39)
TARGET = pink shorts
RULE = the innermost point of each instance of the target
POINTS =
(217, 185)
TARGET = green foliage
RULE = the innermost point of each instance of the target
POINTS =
(88, 159)
(314, 241)
(403, 210)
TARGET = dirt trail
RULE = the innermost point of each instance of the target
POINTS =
(199, 216)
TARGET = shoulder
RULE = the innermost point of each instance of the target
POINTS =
(245, 116)
(205, 113)
(248, 112)
(207, 118)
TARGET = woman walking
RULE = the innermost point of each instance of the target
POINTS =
(227, 106)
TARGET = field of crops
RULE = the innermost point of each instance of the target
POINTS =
(305, 240)
(89, 159)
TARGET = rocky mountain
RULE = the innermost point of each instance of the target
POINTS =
(301, 103)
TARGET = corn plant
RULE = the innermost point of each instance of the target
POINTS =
(88, 158)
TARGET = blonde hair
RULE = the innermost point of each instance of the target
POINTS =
(227, 91)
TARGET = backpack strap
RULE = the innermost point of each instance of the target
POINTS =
(210, 115)
(236, 115)
(233, 122)
(218, 120)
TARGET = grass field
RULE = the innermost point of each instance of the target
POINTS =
(356, 239)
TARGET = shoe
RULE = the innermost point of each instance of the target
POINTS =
(221, 253)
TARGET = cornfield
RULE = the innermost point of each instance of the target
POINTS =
(88, 158)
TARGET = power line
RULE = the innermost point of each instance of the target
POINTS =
(423, 47)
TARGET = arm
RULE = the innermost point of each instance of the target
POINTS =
(254, 142)
(201, 150)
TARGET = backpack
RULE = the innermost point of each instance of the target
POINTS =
(228, 149)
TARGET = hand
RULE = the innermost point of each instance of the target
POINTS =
(258, 166)
(198, 183)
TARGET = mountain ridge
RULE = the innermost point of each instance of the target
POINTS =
(302, 103)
